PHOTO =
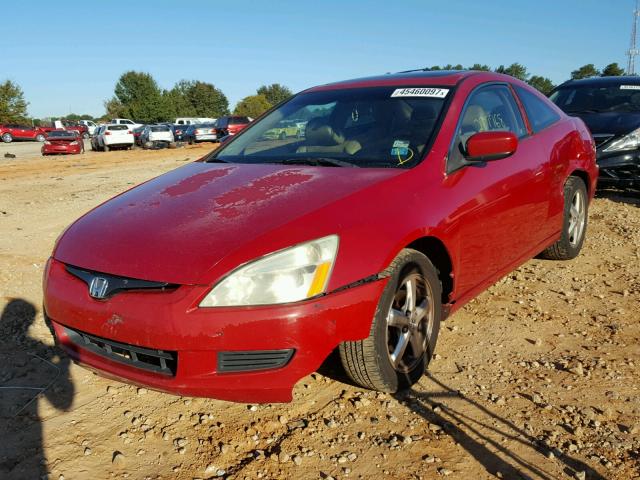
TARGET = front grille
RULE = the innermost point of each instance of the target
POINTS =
(253, 360)
(115, 284)
(621, 172)
(158, 361)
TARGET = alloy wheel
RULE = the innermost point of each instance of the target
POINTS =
(409, 322)
(577, 218)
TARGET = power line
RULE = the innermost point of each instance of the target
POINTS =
(633, 51)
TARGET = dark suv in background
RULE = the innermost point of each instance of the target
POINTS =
(610, 106)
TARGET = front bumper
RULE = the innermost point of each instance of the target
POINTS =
(171, 322)
(51, 149)
(621, 169)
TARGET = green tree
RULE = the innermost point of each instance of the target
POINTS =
(207, 100)
(193, 98)
(612, 70)
(543, 84)
(585, 71)
(480, 67)
(516, 70)
(114, 109)
(137, 96)
(275, 93)
(13, 106)
(252, 106)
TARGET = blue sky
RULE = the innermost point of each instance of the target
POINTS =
(67, 57)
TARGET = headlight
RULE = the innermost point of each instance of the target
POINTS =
(630, 141)
(290, 275)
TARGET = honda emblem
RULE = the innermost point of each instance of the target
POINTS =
(98, 287)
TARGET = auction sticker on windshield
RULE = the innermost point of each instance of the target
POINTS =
(420, 92)
(629, 87)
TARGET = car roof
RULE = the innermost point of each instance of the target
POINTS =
(602, 81)
(442, 78)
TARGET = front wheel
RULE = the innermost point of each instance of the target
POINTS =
(7, 138)
(574, 225)
(40, 138)
(404, 330)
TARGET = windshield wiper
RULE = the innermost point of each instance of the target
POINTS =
(215, 160)
(317, 162)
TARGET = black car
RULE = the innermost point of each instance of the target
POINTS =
(610, 106)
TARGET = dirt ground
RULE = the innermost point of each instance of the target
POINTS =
(536, 378)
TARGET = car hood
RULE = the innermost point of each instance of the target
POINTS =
(176, 227)
(613, 123)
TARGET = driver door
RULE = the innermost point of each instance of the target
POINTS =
(501, 205)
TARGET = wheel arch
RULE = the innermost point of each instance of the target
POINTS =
(436, 251)
(584, 176)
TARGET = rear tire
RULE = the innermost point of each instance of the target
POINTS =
(404, 330)
(40, 138)
(574, 224)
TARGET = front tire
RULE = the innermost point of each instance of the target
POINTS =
(7, 138)
(40, 138)
(574, 225)
(404, 330)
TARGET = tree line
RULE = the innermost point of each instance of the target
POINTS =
(138, 96)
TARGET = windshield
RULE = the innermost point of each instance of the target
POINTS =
(365, 127)
(595, 99)
(61, 133)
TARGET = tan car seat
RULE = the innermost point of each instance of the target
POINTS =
(320, 137)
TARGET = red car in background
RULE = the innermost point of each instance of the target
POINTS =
(407, 195)
(230, 125)
(13, 131)
(62, 142)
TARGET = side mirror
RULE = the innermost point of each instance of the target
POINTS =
(487, 146)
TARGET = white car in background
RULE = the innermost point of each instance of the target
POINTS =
(193, 120)
(113, 136)
(125, 121)
(156, 133)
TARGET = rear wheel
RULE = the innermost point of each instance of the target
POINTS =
(404, 330)
(7, 138)
(40, 138)
(574, 225)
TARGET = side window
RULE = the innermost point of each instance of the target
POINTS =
(540, 114)
(490, 108)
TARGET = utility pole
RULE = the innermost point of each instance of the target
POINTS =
(633, 51)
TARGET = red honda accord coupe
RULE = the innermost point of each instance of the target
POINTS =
(401, 198)
(62, 142)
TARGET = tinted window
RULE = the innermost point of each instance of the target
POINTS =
(160, 128)
(491, 108)
(117, 127)
(540, 114)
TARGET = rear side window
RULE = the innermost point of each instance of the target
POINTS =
(117, 127)
(540, 114)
